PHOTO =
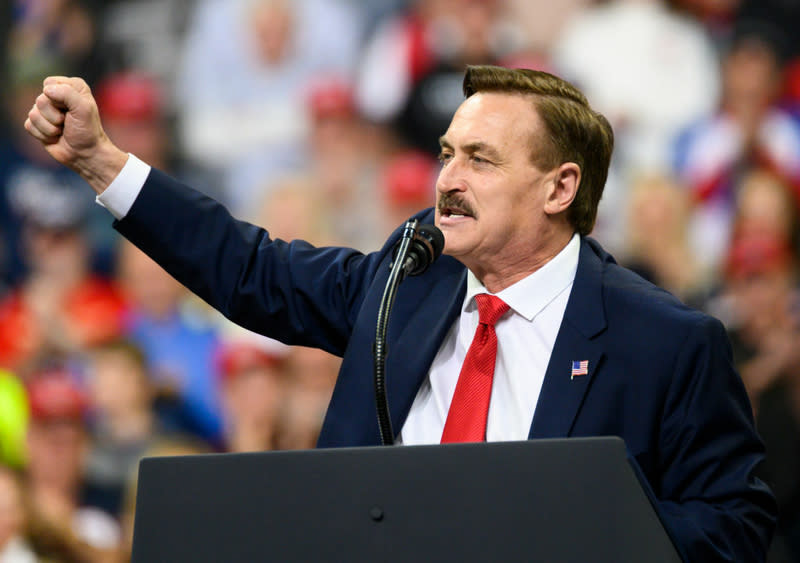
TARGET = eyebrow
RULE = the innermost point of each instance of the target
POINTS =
(473, 147)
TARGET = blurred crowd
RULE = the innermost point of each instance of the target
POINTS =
(319, 119)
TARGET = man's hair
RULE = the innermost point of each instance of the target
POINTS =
(127, 348)
(574, 131)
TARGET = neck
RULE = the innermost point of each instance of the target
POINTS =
(521, 264)
(251, 439)
(131, 426)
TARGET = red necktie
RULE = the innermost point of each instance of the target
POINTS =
(466, 419)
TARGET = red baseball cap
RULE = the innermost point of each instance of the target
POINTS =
(56, 395)
(409, 179)
(130, 96)
(757, 254)
(332, 97)
(237, 357)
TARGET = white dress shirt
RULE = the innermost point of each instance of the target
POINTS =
(526, 335)
(525, 339)
(119, 196)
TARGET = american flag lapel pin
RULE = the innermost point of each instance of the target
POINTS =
(579, 368)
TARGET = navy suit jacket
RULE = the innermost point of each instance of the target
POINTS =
(660, 374)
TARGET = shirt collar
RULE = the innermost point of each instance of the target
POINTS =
(530, 295)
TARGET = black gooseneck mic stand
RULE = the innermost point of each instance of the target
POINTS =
(416, 250)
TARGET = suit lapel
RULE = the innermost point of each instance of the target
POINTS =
(584, 318)
(416, 331)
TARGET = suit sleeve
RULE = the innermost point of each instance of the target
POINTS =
(290, 291)
(713, 505)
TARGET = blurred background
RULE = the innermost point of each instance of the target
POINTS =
(319, 120)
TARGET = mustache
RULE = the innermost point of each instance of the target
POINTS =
(449, 201)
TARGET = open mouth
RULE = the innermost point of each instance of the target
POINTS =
(449, 208)
(454, 213)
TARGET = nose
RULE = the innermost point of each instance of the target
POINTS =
(451, 178)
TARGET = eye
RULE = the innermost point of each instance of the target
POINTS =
(478, 159)
(444, 157)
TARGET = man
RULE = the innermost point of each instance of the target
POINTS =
(57, 444)
(253, 390)
(586, 348)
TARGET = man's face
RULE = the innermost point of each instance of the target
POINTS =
(490, 195)
(57, 450)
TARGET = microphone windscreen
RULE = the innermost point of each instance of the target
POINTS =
(434, 236)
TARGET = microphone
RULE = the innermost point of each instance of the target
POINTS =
(425, 247)
(416, 250)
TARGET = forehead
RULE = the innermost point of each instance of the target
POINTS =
(499, 119)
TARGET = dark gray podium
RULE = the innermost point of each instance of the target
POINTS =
(574, 500)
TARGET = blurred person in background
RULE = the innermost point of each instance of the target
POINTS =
(6, 127)
(143, 34)
(765, 210)
(124, 423)
(718, 17)
(309, 385)
(137, 105)
(344, 154)
(133, 102)
(252, 389)
(761, 305)
(294, 209)
(408, 183)
(777, 18)
(761, 284)
(767, 204)
(657, 243)
(254, 58)
(14, 547)
(27, 178)
(761, 279)
(410, 76)
(651, 72)
(178, 340)
(542, 22)
(60, 306)
(64, 30)
(57, 446)
(747, 131)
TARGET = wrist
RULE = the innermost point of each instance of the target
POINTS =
(101, 167)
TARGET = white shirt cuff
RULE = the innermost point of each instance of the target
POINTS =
(119, 196)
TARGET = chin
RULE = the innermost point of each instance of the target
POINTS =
(452, 247)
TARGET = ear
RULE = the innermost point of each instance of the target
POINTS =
(563, 188)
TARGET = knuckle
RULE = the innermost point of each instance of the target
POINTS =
(80, 84)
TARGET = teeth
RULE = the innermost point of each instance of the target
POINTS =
(457, 215)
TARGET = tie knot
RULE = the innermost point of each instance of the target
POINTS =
(490, 308)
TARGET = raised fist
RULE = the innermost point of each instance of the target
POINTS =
(65, 119)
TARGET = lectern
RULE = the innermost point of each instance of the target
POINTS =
(574, 500)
